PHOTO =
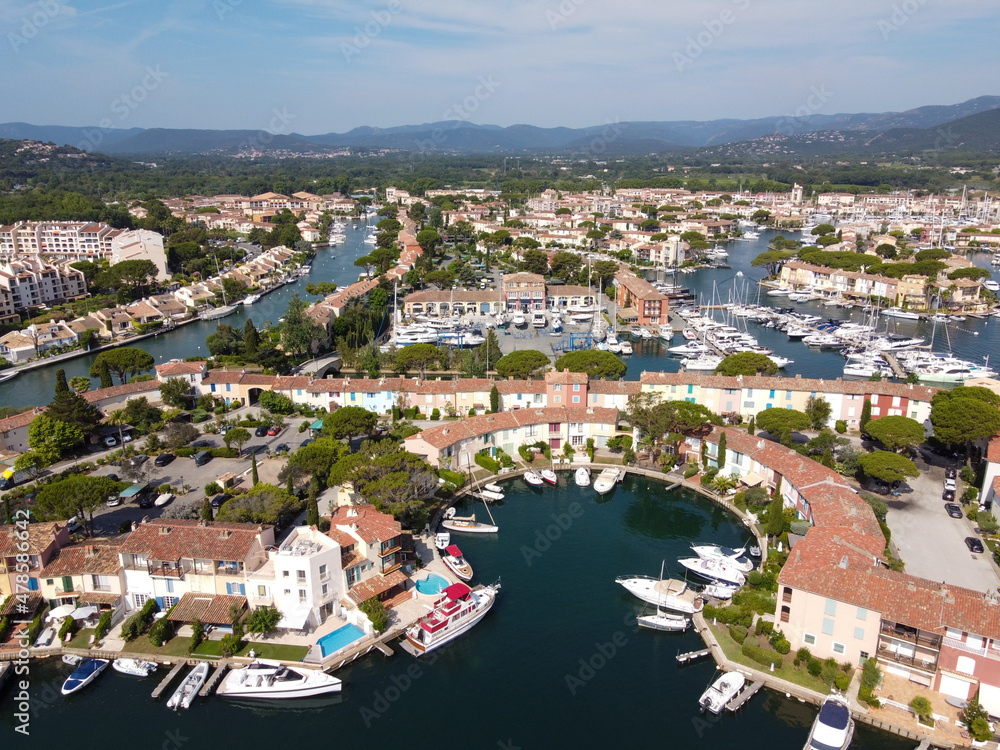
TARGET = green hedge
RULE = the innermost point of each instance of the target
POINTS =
(763, 656)
(738, 633)
(68, 627)
(488, 463)
(103, 625)
(619, 442)
(224, 452)
(690, 471)
(136, 625)
(452, 477)
(185, 452)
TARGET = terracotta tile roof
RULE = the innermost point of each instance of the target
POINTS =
(143, 386)
(992, 451)
(209, 609)
(78, 559)
(369, 523)
(349, 559)
(180, 368)
(172, 539)
(446, 295)
(99, 598)
(9, 607)
(377, 584)
(533, 385)
(41, 536)
(629, 387)
(19, 420)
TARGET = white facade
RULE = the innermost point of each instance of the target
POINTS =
(141, 244)
(308, 584)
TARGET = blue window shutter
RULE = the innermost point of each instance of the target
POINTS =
(32, 584)
(213, 387)
(229, 588)
(243, 590)
(159, 602)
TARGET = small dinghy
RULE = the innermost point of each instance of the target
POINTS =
(185, 693)
(582, 477)
(549, 476)
(534, 479)
(134, 667)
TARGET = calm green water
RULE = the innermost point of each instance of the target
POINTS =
(505, 683)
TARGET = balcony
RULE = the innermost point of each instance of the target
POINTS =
(962, 646)
(910, 635)
(917, 661)
(390, 550)
(163, 571)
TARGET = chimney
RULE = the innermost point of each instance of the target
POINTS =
(89, 551)
(164, 530)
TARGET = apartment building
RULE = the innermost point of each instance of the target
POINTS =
(523, 291)
(74, 240)
(639, 300)
(141, 244)
(33, 283)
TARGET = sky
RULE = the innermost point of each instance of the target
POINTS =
(319, 66)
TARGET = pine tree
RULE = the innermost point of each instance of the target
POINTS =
(206, 510)
(289, 485)
(722, 451)
(312, 512)
(494, 399)
(253, 470)
(752, 427)
(61, 384)
(827, 459)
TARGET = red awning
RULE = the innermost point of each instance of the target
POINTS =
(453, 550)
(457, 591)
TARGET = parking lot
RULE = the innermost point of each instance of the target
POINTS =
(931, 543)
(184, 471)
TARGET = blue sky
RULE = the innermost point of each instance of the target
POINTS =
(316, 66)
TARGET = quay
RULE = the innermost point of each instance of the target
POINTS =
(165, 682)
(897, 369)
(213, 680)
(690, 656)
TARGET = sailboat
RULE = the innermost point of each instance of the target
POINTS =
(219, 312)
(663, 620)
(468, 524)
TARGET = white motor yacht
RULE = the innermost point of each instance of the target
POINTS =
(456, 612)
(720, 692)
(714, 570)
(668, 593)
(725, 554)
(519, 320)
(273, 680)
(606, 480)
(833, 728)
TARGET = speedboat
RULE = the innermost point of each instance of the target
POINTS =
(533, 478)
(442, 539)
(667, 593)
(45, 639)
(134, 667)
(519, 320)
(582, 477)
(719, 591)
(251, 298)
(725, 554)
(625, 347)
(720, 692)
(83, 675)
(549, 476)
(271, 680)
(163, 499)
(490, 495)
(457, 563)
(714, 570)
(185, 693)
(895, 312)
(456, 612)
(606, 481)
(833, 728)
(492, 487)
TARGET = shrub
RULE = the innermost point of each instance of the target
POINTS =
(865, 696)
(160, 631)
(213, 488)
(800, 527)
(103, 625)
(690, 471)
(68, 627)
(231, 643)
(186, 452)
(781, 645)
(828, 670)
(197, 634)
(36, 626)
(452, 477)
(525, 452)
(619, 442)
(435, 414)
(802, 656)
(840, 426)
(323, 525)
(814, 666)
(766, 628)
(136, 625)
(842, 681)
(504, 459)
(488, 463)
(4, 627)
(738, 633)
(761, 655)
(472, 411)
(376, 613)
(709, 476)
(921, 706)
(199, 415)
(987, 522)
(224, 453)
(871, 674)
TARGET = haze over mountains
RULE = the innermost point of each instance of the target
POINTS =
(971, 125)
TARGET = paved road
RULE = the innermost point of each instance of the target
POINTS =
(929, 541)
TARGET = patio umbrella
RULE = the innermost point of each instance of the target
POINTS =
(62, 610)
(84, 612)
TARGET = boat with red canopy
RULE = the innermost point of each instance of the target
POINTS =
(456, 562)
(457, 611)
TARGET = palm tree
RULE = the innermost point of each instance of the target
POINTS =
(118, 419)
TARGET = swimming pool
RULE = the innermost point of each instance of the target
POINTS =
(432, 584)
(338, 639)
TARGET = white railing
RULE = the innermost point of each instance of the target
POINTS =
(963, 646)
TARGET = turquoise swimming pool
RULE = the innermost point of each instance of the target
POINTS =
(432, 584)
(338, 639)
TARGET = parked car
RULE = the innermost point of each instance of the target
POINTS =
(163, 459)
(126, 438)
(953, 510)
(111, 441)
(113, 477)
(146, 501)
(949, 484)
(948, 496)
(138, 460)
(281, 448)
(973, 544)
(73, 525)
(274, 431)
(305, 442)
(218, 501)
(260, 431)
(114, 501)
(950, 473)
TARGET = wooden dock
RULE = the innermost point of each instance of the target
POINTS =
(897, 369)
(165, 682)
(213, 680)
(384, 648)
(693, 655)
(740, 700)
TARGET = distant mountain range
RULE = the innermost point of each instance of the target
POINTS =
(969, 125)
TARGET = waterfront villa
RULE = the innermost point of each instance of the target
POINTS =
(87, 574)
(371, 545)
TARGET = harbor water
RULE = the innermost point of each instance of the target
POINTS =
(973, 339)
(557, 663)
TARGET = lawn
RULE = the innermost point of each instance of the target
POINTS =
(175, 647)
(788, 670)
(81, 639)
(263, 650)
